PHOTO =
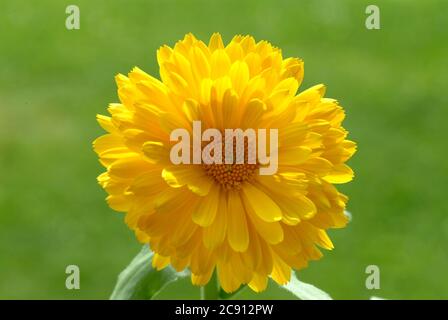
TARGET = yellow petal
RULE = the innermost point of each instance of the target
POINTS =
(215, 42)
(230, 110)
(200, 64)
(239, 74)
(201, 279)
(237, 232)
(128, 168)
(294, 156)
(215, 234)
(106, 123)
(235, 51)
(340, 174)
(253, 61)
(191, 175)
(292, 67)
(227, 279)
(159, 262)
(281, 272)
(293, 134)
(164, 54)
(253, 114)
(294, 205)
(107, 142)
(220, 64)
(205, 212)
(261, 204)
(155, 93)
(202, 259)
(240, 270)
(269, 231)
(258, 283)
(156, 152)
(119, 202)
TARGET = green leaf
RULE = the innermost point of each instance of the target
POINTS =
(141, 281)
(272, 292)
(293, 290)
(305, 291)
(181, 289)
(225, 296)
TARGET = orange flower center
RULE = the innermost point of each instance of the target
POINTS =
(232, 176)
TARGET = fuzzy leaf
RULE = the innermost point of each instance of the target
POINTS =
(140, 281)
(305, 291)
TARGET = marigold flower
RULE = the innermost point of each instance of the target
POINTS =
(230, 218)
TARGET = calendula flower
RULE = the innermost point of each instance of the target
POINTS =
(226, 217)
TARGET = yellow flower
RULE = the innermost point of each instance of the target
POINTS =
(230, 218)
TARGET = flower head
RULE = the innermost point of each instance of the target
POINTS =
(229, 217)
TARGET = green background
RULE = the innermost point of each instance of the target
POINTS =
(392, 83)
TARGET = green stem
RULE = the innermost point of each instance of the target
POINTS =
(211, 290)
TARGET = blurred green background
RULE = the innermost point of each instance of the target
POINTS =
(392, 83)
